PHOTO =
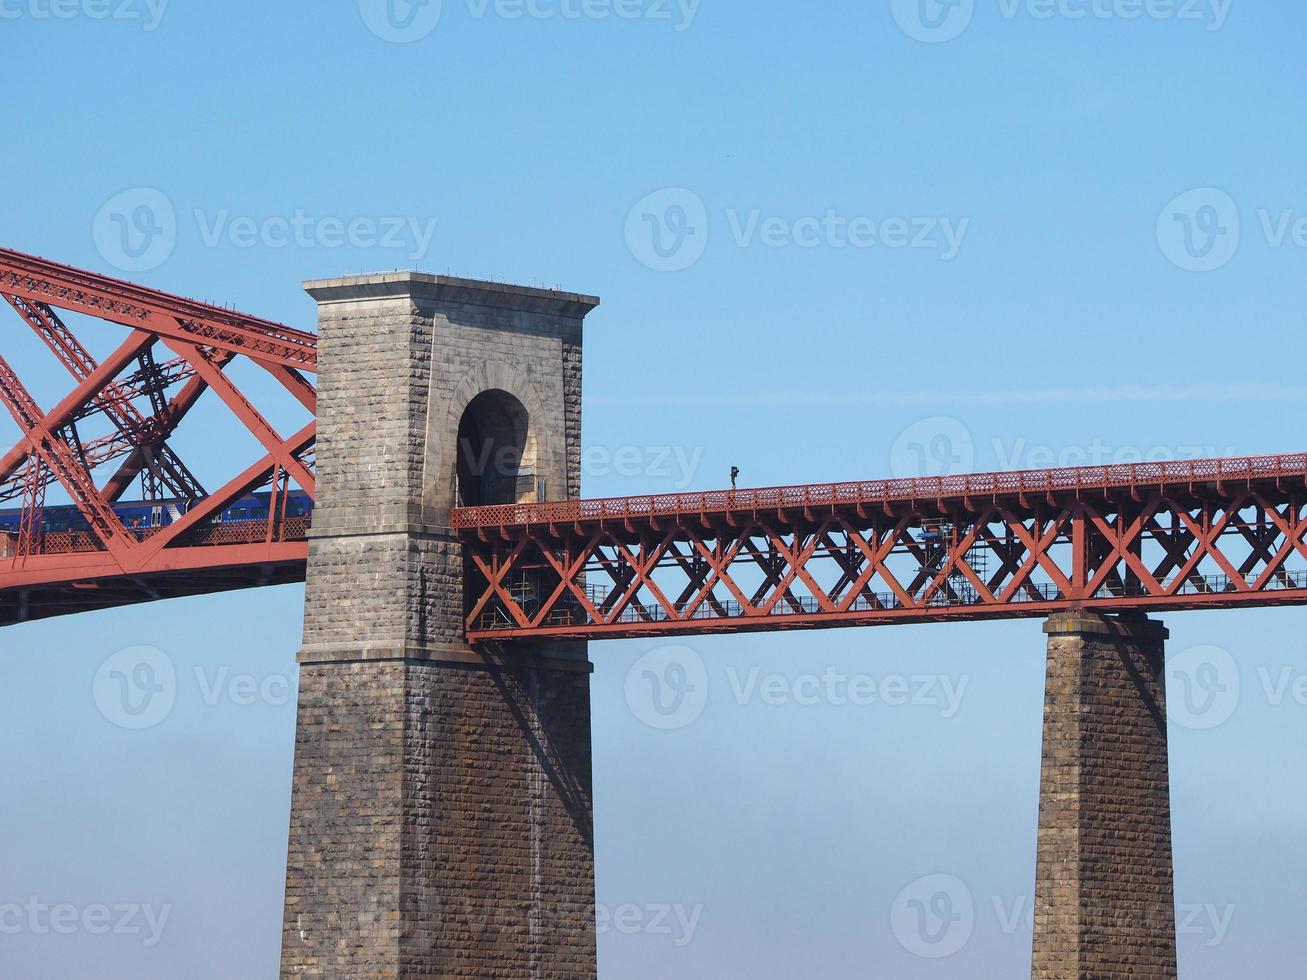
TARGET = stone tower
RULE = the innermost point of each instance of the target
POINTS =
(441, 821)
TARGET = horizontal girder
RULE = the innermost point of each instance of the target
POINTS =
(1199, 534)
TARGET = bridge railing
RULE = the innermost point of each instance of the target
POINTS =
(231, 533)
(1126, 475)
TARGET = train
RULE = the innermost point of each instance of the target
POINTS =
(145, 514)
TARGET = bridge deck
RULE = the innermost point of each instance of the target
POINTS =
(1176, 535)
(965, 487)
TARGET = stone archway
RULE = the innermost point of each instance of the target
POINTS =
(496, 403)
(496, 454)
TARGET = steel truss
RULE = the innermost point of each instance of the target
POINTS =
(1209, 533)
(1202, 534)
(175, 351)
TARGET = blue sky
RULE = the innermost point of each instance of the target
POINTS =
(832, 243)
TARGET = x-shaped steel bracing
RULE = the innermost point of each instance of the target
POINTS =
(200, 343)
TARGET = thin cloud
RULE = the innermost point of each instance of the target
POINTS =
(1094, 394)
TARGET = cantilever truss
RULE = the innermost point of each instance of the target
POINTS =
(175, 351)
(1210, 533)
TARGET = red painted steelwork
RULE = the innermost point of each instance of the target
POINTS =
(1155, 536)
(40, 281)
(45, 572)
(1196, 534)
(877, 492)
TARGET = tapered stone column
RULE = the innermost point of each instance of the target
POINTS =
(441, 808)
(1105, 903)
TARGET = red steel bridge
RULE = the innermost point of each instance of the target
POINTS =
(120, 422)
(1157, 536)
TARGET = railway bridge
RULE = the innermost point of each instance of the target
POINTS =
(430, 495)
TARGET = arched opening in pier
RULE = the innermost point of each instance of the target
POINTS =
(496, 454)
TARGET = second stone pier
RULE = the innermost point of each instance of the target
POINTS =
(1105, 903)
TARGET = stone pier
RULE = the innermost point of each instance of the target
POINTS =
(1105, 904)
(441, 812)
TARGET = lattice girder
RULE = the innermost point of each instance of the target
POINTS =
(1190, 535)
(144, 398)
